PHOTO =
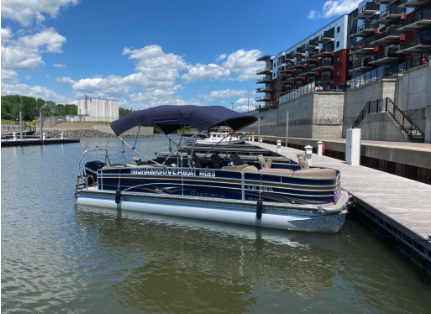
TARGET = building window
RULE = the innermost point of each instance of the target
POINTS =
(338, 44)
(338, 59)
(338, 29)
(336, 74)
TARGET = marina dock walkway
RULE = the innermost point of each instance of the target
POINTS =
(38, 141)
(398, 206)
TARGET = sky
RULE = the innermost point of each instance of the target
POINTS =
(148, 53)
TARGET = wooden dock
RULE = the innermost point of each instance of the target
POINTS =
(38, 141)
(393, 206)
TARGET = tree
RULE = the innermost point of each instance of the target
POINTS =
(124, 112)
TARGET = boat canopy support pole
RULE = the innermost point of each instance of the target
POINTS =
(127, 144)
(178, 147)
(136, 137)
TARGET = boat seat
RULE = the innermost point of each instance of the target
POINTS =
(235, 168)
(264, 164)
(196, 161)
(303, 163)
(281, 172)
(139, 166)
(316, 173)
(216, 161)
(250, 169)
(236, 159)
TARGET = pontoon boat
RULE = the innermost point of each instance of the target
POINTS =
(214, 187)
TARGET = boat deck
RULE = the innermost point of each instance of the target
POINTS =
(400, 206)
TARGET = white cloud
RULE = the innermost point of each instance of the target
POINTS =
(25, 53)
(334, 8)
(10, 76)
(59, 65)
(223, 94)
(205, 72)
(33, 91)
(6, 34)
(27, 11)
(221, 57)
(245, 104)
(243, 63)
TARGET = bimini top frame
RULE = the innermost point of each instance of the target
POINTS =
(169, 119)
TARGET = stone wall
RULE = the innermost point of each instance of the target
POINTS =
(318, 115)
(380, 127)
(356, 99)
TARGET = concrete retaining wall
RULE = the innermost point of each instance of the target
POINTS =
(356, 99)
(380, 127)
(317, 114)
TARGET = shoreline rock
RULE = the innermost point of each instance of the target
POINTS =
(81, 133)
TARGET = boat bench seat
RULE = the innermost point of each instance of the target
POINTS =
(242, 168)
(316, 173)
(281, 172)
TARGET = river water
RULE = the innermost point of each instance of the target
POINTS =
(58, 257)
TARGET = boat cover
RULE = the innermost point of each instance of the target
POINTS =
(171, 118)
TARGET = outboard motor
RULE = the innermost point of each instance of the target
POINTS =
(91, 168)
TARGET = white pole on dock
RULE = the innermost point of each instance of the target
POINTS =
(278, 150)
(309, 154)
(20, 124)
(62, 135)
(14, 136)
(258, 130)
(319, 148)
(287, 127)
(40, 125)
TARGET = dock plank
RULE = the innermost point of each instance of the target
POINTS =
(405, 201)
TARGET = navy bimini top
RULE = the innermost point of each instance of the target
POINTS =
(171, 118)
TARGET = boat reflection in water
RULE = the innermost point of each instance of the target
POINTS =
(178, 264)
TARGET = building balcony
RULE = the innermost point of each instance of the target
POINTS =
(421, 19)
(369, 9)
(421, 43)
(264, 80)
(264, 58)
(327, 36)
(390, 55)
(363, 47)
(327, 50)
(390, 34)
(300, 51)
(267, 97)
(364, 30)
(326, 64)
(325, 78)
(412, 3)
(384, 1)
(263, 71)
(391, 13)
(288, 58)
(265, 89)
(312, 45)
(362, 66)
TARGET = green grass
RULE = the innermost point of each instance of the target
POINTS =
(12, 122)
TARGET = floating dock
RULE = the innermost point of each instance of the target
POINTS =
(396, 208)
(38, 141)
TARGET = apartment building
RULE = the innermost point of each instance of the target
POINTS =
(388, 37)
(379, 39)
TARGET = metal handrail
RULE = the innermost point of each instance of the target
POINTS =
(387, 105)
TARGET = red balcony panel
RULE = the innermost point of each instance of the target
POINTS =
(331, 67)
(402, 37)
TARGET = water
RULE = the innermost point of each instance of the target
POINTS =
(61, 258)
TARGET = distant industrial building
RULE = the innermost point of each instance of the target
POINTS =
(96, 109)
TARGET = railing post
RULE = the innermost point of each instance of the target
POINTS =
(369, 106)
(386, 109)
